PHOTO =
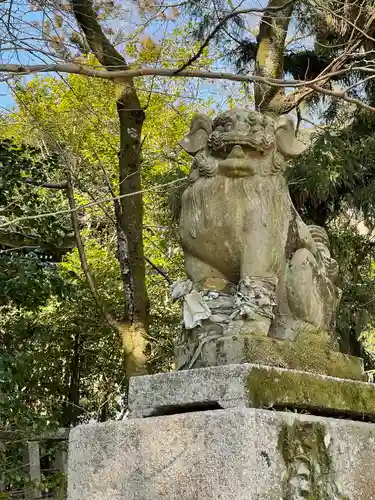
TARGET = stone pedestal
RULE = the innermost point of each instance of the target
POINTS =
(238, 454)
(310, 350)
(231, 432)
(251, 386)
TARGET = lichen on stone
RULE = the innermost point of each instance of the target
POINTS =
(309, 473)
(310, 351)
(268, 387)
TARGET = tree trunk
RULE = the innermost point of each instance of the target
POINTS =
(270, 56)
(129, 212)
(71, 410)
(130, 225)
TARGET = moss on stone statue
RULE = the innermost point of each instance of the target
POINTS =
(304, 447)
(268, 387)
(310, 351)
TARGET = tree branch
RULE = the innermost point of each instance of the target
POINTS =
(338, 94)
(123, 75)
(158, 270)
(296, 97)
(133, 341)
(323, 6)
(82, 254)
(103, 49)
(222, 24)
(48, 185)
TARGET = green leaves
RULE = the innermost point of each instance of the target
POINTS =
(27, 281)
(18, 199)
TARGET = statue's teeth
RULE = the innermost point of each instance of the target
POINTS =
(236, 152)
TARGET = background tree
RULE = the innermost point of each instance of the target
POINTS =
(72, 115)
(113, 140)
(97, 129)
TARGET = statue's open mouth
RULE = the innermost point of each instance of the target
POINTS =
(241, 159)
(244, 144)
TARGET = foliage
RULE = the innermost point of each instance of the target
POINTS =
(79, 112)
(60, 361)
(18, 200)
(338, 171)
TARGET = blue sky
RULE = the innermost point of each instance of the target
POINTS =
(219, 90)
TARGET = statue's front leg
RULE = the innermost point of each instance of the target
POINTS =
(257, 288)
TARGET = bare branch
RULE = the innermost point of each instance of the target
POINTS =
(158, 270)
(341, 94)
(323, 6)
(333, 68)
(222, 24)
(48, 185)
(349, 55)
(125, 75)
(308, 86)
(82, 254)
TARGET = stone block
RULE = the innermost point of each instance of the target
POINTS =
(309, 351)
(234, 454)
(178, 391)
(248, 385)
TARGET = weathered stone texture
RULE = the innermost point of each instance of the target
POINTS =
(309, 351)
(269, 387)
(237, 454)
(224, 386)
(254, 266)
(248, 385)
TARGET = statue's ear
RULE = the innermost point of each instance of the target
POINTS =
(196, 140)
(287, 143)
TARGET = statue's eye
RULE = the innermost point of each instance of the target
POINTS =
(228, 126)
(220, 128)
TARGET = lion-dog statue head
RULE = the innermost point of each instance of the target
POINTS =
(240, 143)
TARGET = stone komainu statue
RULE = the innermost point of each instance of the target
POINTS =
(254, 266)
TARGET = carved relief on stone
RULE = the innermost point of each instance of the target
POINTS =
(305, 448)
(242, 237)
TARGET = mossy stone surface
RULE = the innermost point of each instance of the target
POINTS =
(310, 351)
(305, 448)
(271, 387)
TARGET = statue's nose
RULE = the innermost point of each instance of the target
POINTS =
(237, 152)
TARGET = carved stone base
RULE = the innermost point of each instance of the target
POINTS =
(212, 435)
(237, 454)
(310, 351)
(250, 385)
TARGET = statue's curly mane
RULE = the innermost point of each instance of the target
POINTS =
(198, 196)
